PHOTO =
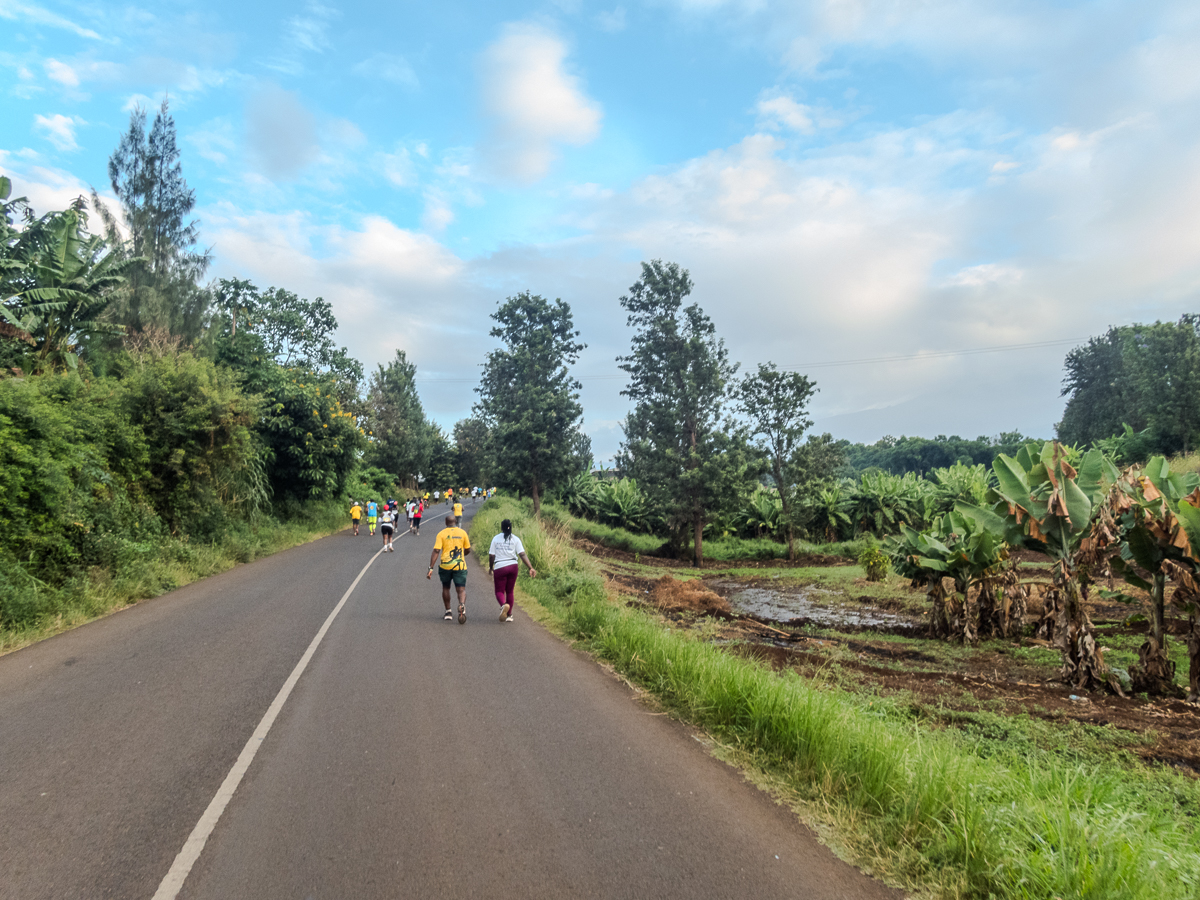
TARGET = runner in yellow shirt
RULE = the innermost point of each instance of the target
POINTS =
(355, 516)
(458, 511)
(452, 546)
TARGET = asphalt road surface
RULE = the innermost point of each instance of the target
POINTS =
(414, 757)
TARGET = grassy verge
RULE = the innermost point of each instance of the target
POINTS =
(917, 804)
(717, 549)
(148, 570)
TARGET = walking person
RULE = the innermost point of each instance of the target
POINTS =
(504, 554)
(372, 516)
(450, 556)
(418, 511)
(355, 515)
(386, 523)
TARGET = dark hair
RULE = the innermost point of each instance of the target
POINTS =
(506, 527)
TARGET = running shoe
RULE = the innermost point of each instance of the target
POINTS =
(509, 619)
(504, 611)
(462, 613)
(449, 616)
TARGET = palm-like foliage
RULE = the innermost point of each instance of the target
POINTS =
(959, 483)
(1153, 518)
(1054, 503)
(883, 502)
(56, 282)
(763, 514)
(829, 510)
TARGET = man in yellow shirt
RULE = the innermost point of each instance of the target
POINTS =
(458, 510)
(355, 516)
(452, 546)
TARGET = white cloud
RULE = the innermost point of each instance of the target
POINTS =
(281, 132)
(781, 111)
(398, 167)
(14, 10)
(388, 67)
(47, 188)
(58, 129)
(534, 103)
(61, 72)
(214, 140)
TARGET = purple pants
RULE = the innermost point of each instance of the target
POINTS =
(505, 580)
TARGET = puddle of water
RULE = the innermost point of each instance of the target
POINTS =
(800, 604)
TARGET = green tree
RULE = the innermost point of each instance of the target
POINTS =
(776, 405)
(147, 177)
(470, 450)
(527, 397)
(1099, 397)
(678, 445)
(56, 282)
(402, 439)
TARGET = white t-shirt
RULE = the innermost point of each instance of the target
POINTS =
(507, 552)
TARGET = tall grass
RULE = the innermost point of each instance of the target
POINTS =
(916, 803)
(151, 568)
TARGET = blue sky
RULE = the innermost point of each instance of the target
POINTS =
(884, 181)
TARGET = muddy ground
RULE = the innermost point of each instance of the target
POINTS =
(848, 632)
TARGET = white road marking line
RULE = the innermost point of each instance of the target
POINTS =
(172, 884)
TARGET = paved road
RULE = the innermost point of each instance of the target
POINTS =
(415, 757)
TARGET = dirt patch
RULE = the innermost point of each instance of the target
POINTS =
(671, 595)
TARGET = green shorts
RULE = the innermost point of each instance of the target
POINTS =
(458, 576)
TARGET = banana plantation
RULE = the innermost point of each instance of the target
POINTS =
(965, 535)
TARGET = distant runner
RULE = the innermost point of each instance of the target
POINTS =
(504, 555)
(355, 515)
(452, 545)
(386, 520)
(416, 519)
(372, 515)
(458, 512)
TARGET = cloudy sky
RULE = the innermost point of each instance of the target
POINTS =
(873, 191)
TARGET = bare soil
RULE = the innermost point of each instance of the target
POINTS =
(997, 678)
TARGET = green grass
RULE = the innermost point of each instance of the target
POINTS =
(920, 804)
(155, 568)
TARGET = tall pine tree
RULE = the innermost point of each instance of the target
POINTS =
(147, 179)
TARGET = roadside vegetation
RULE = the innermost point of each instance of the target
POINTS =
(994, 808)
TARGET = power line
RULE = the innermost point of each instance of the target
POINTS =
(936, 354)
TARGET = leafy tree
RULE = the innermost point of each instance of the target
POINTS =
(920, 455)
(776, 403)
(1054, 503)
(147, 178)
(56, 282)
(1099, 397)
(293, 332)
(527, 397)
(689, 460)
(402, 439)
(470, 449)
(441, 473)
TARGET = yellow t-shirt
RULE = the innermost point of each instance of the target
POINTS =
(458, 509)
(454, 544)
(356, 511)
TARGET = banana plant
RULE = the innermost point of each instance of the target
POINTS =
(1053, 504)
(969, 546)
(1146, 518)
(829, 510)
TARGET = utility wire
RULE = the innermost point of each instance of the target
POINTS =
(936, 354)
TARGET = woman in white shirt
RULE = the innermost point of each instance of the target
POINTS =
(504, 557)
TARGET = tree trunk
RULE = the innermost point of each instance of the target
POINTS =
(1154, 671)
(537, 498)
(1083, 662)
(698, 532)
(1193, 645)
(787, 515)
(938, 626)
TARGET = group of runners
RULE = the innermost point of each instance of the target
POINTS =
(451, 547)
(505, 553)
